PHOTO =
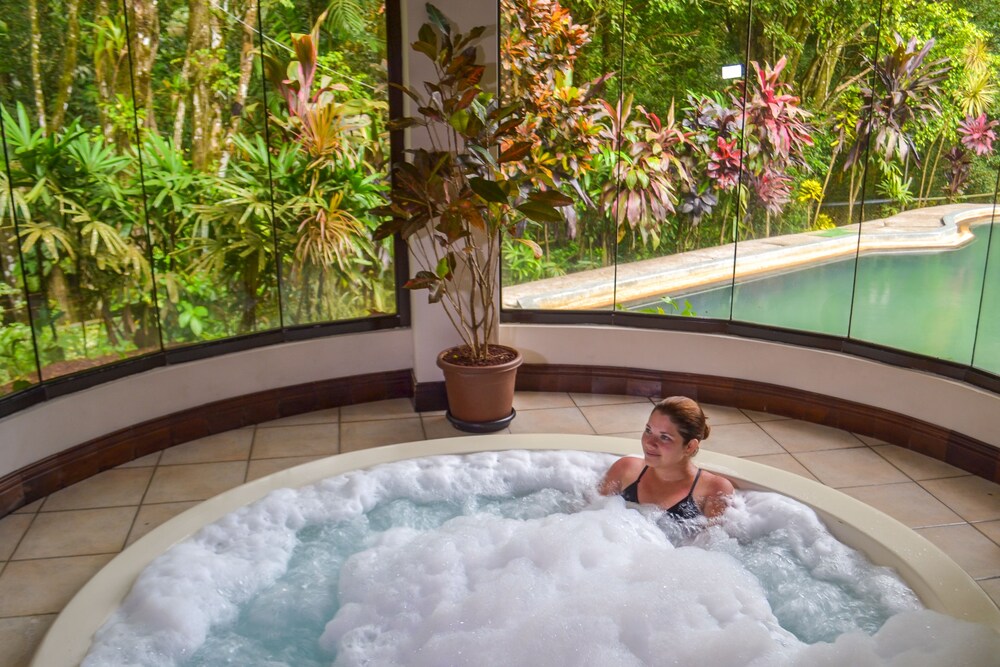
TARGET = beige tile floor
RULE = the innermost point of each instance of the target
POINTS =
(50, 548)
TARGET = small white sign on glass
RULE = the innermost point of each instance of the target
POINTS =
(732, 71)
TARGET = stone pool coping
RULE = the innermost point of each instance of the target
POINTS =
(939, 582)
(918, 230)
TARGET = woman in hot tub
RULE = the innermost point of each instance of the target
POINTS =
(666, 475)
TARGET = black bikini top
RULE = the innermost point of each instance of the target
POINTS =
(686, 508)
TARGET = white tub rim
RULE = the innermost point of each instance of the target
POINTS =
(939, 582)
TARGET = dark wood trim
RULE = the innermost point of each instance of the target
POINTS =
(957, 449)
(429, 396)
(82, 461)
(77, 463)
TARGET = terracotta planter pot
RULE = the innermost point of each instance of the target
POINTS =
(480, 398)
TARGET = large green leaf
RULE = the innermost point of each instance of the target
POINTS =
(539, 212)
(551, 197)
(446, 267)
(488, 190)
(438, 19)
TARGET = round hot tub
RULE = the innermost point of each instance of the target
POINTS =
(940, 584)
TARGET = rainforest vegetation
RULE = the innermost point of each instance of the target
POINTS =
(179, 171)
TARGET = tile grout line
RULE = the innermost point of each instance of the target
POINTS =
(942, 501)
(142, 498)
(20, 540)
(975, 524)
(246, 470)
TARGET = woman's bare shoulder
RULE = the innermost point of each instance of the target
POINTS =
(621, 472)
(714, 485)
(627, 463)
(715, 492)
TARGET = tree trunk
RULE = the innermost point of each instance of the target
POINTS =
(247, 60)
(798, 28)
(197, 76)
(819, 75)
(70, 47)
(144, 24)
(199, 43)
(36, 65)
(181, 111)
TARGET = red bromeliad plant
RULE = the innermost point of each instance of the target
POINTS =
(330, 130)
(773, 190)
(725, 164)
(776, 135)
(456, 193)
(908, 88)
(977, 134)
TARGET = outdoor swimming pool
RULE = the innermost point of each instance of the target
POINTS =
(929, 303)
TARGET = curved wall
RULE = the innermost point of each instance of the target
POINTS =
(952, 405)
(49, 437)
(51, 427)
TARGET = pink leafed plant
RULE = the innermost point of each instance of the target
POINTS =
(773, 190)
(725, 163)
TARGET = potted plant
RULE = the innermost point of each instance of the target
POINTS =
(452, 203)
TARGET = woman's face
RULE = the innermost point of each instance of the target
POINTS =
(662, 443)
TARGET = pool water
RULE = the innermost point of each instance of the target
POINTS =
(928, 303)
(505, 558)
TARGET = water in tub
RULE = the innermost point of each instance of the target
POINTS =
(513, 559)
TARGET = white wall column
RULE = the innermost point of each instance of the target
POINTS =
(432, 331)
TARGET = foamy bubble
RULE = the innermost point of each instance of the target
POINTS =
(512, 558)
(603, 586)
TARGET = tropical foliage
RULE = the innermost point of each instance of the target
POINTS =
(454, 202)
(838, 107)
(175, 175)
(187, 170)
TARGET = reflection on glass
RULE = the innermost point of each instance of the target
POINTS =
(70, 132)
(328, 109)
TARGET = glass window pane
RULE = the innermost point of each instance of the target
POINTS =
(563, 61)
(678, 176)
(327, 92)
(929, 186)
(205, 163)
(987, 350)
(18, 363)
(798, 232)
(70, 132)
